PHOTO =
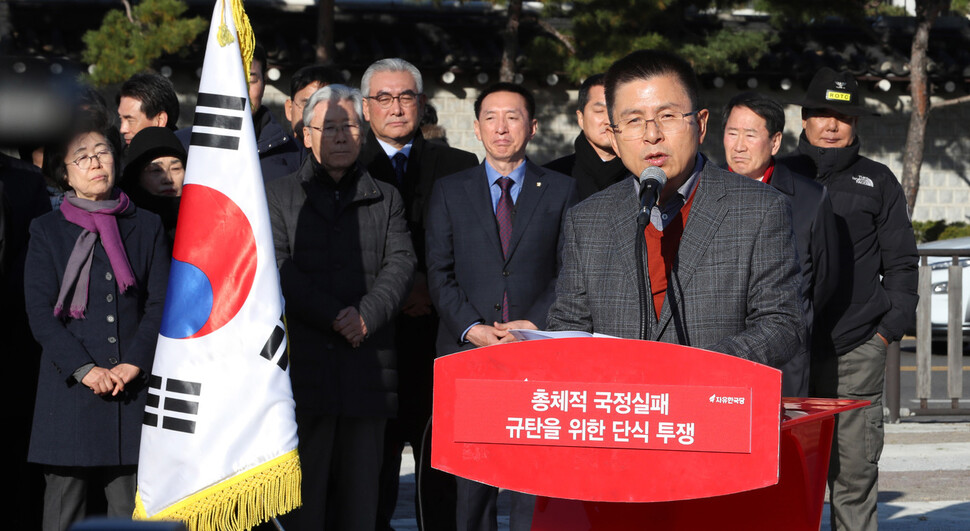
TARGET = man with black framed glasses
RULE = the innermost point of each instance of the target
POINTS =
(396, 152)
(720, 267)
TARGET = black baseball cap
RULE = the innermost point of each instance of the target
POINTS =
(836, 91)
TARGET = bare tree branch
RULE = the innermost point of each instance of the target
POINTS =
(566, 41)
(947, 103)
(128, 11)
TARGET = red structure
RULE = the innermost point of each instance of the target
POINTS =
(622, 434)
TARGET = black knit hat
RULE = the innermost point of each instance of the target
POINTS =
(837, 91)
(149, 144)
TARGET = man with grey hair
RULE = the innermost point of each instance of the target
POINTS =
(346, 262)
(397, 153)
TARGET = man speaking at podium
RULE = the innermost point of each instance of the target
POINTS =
(717, 247)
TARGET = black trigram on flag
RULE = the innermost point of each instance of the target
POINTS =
(275, 347)
(174, 402)
(219, 118)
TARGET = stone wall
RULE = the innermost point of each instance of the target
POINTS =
(944, 186)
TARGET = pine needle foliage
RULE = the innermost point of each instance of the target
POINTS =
(123, 47)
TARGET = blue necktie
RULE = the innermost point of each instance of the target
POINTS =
(400, 159)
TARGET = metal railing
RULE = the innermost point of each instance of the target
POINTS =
(924, 341)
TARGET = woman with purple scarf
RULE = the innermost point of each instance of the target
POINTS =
(95, 284)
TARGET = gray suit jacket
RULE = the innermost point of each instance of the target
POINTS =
(734, 286)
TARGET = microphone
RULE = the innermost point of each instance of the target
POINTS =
(652, 181)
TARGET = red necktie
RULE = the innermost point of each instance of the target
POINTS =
(503, 214)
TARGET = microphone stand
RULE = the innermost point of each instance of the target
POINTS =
(641, 251)
(652, 181)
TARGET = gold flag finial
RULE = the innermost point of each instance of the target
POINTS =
(247, 40)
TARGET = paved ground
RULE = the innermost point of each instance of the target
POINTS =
(924, 480)
(924, 477)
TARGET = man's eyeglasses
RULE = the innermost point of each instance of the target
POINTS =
(668, 122)
(84, 162)
(406, 98)
(330, 131)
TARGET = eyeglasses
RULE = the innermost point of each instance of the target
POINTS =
(330, 131)
(668, 122)
(84, 162)
(406, 98)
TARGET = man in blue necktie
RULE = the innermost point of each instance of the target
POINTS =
(397, 153)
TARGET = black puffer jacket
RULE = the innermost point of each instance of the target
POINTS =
(878, 276)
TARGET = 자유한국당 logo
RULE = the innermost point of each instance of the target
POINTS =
(714, 399)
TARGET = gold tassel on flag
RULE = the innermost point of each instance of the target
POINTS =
(247, 40)
(242, 502)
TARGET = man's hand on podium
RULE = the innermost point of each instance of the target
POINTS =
(503, 329)
(482, 335)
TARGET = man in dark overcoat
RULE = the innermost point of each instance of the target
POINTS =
(346, 263)
(396, 152)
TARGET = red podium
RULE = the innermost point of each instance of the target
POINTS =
(623, 434)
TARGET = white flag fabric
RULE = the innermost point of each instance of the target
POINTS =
(218, 447)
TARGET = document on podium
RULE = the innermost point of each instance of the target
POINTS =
(523, 334)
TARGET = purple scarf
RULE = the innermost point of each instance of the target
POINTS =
(97, 218)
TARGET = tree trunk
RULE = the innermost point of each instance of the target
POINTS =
(6, 28)
(919, 88)
(325, 51)
(510, 42)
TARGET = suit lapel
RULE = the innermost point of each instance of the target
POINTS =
(421, 176)
(125, 229)
(480, 203)
(419, 159)
(706, 215)
(623, 232)
(525, 206)
(782, 181)
(376, 161)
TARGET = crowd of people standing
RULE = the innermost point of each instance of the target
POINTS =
(394, 248)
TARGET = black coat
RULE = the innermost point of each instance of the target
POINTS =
(818, 257)
(73, 426)
(590, 172)
(815, 236)
(340, 245)
(876, 289)
(427, 163)
(23, 198)
(280, 154)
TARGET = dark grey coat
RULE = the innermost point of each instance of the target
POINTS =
(73, 426)
(339, 247)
